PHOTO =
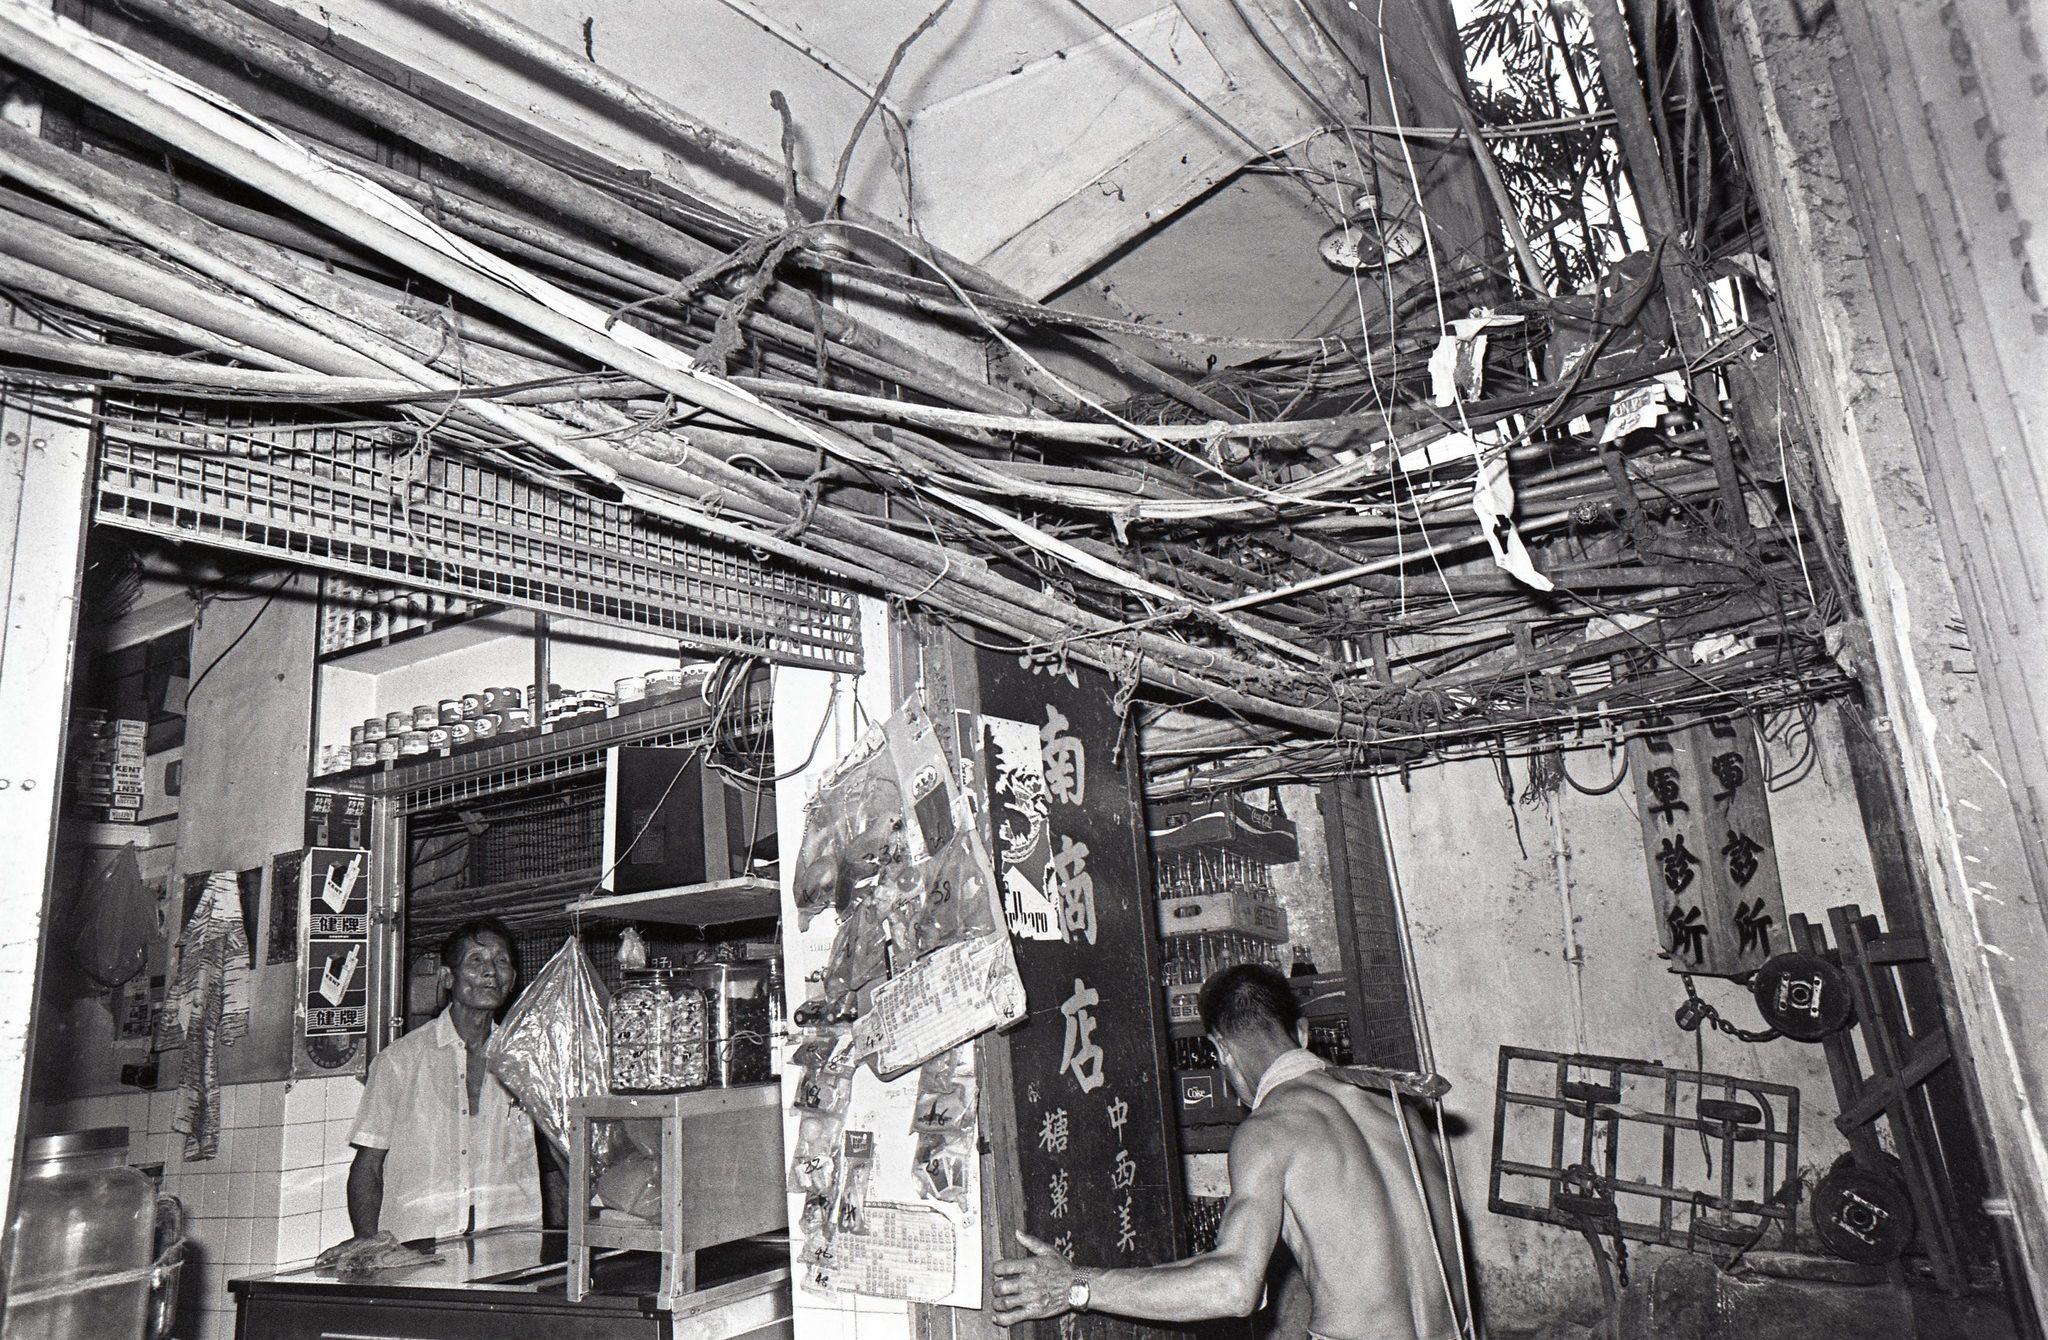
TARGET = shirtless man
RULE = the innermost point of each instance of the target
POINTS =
(1320, 1163)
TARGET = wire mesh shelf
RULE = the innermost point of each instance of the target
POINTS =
(354, 498)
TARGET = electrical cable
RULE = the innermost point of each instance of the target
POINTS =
(247, 628)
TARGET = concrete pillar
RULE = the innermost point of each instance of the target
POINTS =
(1901, 245)
(43, 465)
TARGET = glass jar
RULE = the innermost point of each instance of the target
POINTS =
(82, 1215)
(659, 1033)
(736, 998)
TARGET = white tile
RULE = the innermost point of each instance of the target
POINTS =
(213, 1277)
(263, 1195)
(239, 1202)
(299, 1191)
(344, 1094)
(307, 1101)
(231, 1116)
(262, 1148)
(263, 1240)
(334, 1226)
(336, 1145)
(264, 1106)
(304, 1146)
(162, 1107)
(235, 1243)
(298, 1238)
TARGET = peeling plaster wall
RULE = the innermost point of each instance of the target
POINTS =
(1495, 930)
(1897, 153)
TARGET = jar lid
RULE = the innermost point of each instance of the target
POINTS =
(76, 1144)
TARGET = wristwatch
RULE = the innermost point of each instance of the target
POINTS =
(1077, 1294)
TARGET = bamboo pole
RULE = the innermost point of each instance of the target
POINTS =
(249, 36)
(358, 353)
(164, 368)
(163, 291)
(662, 116)
(1660, 213)
(53, 287)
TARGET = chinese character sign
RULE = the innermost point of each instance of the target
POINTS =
(1713, 861)
(1092, 1126)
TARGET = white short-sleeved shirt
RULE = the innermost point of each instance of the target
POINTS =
(441, 1161)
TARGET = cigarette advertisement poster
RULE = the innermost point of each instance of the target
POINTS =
(334, 1003)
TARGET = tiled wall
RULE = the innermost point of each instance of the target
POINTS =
(275, 1194)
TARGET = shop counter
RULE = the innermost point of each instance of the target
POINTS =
(509, 1282)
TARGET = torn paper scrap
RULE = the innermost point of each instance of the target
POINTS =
(1493, 499)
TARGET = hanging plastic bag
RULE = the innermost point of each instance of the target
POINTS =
(551, 1046)
(116, 919)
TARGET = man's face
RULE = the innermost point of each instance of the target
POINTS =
(483, 977)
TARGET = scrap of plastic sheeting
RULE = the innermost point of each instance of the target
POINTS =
(1457, 367)
(1493, 499)
(1719, 647)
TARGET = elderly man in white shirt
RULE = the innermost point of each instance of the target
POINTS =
(441, 1147)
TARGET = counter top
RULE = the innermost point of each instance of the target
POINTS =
(525, 1267)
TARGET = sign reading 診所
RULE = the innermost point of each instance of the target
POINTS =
(1713, 859)
(1099, 1161)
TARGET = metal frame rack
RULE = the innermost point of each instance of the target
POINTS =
(1600, 1110)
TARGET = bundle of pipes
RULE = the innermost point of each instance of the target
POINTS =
(1230, 563)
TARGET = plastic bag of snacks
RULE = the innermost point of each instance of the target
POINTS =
(551, 1047)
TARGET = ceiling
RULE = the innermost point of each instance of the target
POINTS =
(1066, 147)
(1070, 369)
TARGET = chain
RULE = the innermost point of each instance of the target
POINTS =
(1695, 1011)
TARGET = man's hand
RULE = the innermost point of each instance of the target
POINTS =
(1032, 1287)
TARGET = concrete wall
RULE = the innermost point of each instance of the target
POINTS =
(1556, 947)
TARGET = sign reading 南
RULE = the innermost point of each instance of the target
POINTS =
(1713, 860)
(1095, 1153)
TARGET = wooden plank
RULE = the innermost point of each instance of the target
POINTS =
(725, 900)
(1123, 201)
(1095, 1139)
(1081, 117)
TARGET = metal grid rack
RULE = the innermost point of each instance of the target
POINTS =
(570, 750)
(349, 499)
(1606, 1146)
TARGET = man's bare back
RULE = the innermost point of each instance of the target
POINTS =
(1321, 1164)
(1352, 1217)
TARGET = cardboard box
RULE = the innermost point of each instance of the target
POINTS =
(1223, 912)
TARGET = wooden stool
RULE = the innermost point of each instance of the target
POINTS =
(721, 1180)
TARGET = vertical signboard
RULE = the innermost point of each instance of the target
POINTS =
(1700, 793)
(1098, 1159)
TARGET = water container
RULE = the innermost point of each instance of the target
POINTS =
(82, 1241)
